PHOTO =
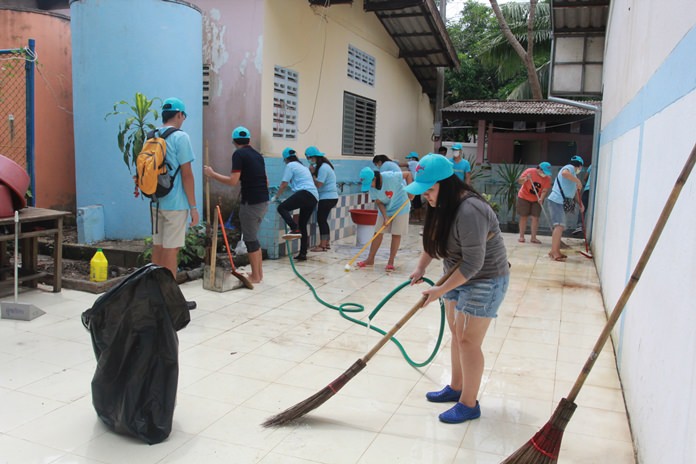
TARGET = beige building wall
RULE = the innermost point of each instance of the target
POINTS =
(313, 41)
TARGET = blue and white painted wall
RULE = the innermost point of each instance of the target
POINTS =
(649, 113)
(116, 53)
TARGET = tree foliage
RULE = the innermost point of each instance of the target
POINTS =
(490, 67)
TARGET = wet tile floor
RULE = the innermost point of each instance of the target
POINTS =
(249, 354)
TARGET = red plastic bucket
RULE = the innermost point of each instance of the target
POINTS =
(364, 217)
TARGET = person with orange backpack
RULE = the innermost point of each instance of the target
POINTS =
(171, 211)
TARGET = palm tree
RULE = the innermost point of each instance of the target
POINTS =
(524, 34)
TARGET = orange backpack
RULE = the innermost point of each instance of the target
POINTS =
(153, 173)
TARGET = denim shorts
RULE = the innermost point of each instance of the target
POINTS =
(480, 298)
(558, 216)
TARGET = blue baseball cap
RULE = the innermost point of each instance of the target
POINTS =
(312, 151)
(578, 159)
(412, 155)
(174, 104)
(457, 146)
(431, 169)
(545, 167)
(241, 132)
(366, 176)
(288, 152)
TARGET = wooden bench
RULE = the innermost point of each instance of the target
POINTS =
(33, 223)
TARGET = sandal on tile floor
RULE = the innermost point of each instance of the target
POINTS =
(460, 413)
(318, 249)
(362, 264)
(521, 239)
(536, 241)
(445, 395)
(389, 268)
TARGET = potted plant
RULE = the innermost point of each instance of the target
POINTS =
(140, 118)
(508, 187)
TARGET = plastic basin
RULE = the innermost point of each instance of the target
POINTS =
(16, 179)
(364, 217)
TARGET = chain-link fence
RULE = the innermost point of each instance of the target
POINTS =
(17, 106)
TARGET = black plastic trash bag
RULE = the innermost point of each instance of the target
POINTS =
(133, 328)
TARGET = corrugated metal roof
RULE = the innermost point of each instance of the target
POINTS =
(579, 16)
(515, 107)
(420, 34)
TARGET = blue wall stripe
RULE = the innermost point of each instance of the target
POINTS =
(631, 236)
(674, 79)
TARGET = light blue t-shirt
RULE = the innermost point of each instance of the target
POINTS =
(589, 179)
(412, 167)
(392, 193)
(390, 166)
(327, 176)
(569, 187)
(461, 168)
(299, 178)
(179, 151)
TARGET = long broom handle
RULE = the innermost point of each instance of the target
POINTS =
(406, 317)
(582, 218)
(213, 252)
(207, 185)
(224, 235)
(17, 231)
(357, 255)
(637, 272)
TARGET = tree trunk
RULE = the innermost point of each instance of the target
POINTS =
(527, 56)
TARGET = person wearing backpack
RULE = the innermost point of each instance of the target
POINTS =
(170, 212)
(249, 170)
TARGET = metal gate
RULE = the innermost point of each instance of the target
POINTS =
(17, 108)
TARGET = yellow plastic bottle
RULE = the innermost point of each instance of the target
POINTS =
(98, 267)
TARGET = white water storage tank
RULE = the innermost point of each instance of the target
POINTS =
(120, 47)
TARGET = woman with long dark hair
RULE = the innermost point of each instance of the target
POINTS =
(298, 177)
(462, 229)
(325, 181)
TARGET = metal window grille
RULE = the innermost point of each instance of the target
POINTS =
(285, 90)
(361, 66)
(359, 118)
(206, 84)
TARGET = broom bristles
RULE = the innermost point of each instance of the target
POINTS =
(544, 446)
(316, 400)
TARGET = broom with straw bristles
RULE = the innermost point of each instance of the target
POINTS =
(319, 398)
(544, 446)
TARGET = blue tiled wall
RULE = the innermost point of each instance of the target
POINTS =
(340, 223)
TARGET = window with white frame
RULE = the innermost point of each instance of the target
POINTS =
(359, 118)
(285, 88)
(361, 66)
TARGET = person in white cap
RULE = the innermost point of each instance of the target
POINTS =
(534, 186)
(462, 229)
(461, 166)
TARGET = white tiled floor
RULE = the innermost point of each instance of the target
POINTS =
(247, 355)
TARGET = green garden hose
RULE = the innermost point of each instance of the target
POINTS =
(356, 308)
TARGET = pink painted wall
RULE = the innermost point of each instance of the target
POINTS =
(54, 149)
(232, 46)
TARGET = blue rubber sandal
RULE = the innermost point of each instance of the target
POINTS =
(445, 395)
(460, 413)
